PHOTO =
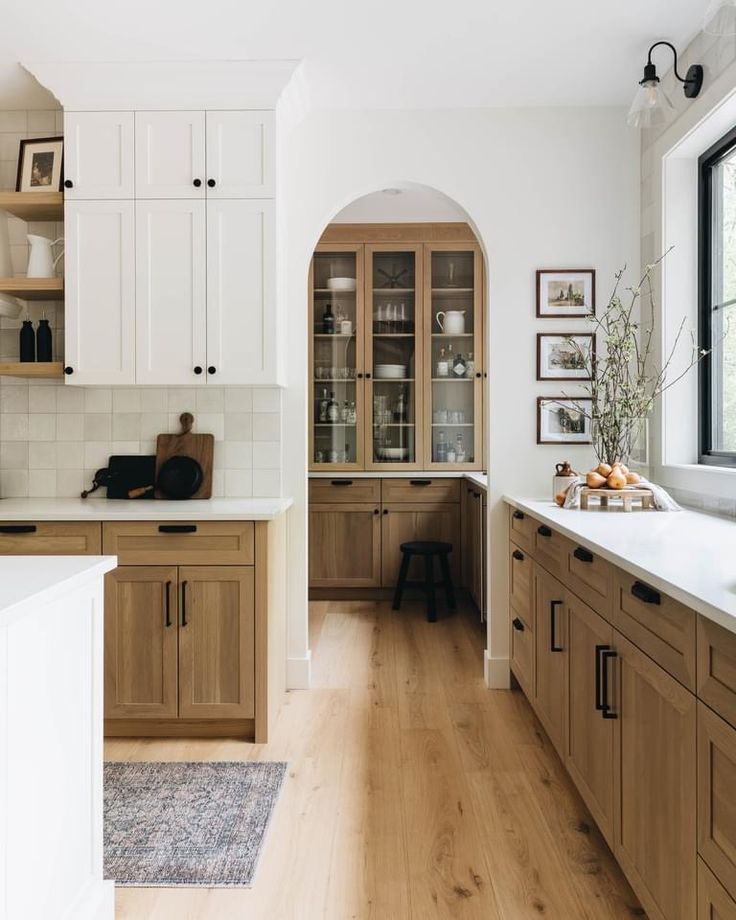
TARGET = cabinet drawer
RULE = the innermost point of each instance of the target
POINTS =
(520, 579)
(421, 490)
(590, 577)
(716, 785)
(344, 490)
(521, 529)
(717, 668)
(657, 624)
(522, 650)
(714, 902)
(180, 542)
(55, 538)
(550, 549)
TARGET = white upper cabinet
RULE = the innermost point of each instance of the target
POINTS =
(241, 312)
(240, 154)
(171, 292)
(170, 155)
(98, 155)
(99, 332)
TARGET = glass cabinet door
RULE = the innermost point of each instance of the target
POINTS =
(453, 349)
(336, 356)
(394, 356)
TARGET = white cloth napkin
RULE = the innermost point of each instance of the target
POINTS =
(661, 499)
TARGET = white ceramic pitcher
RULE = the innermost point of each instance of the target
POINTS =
(41, 261)
(452, 322)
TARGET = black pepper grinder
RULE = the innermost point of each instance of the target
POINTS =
(27, 342)
(43, 341)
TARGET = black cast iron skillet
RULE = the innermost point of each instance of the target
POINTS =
(179, 477)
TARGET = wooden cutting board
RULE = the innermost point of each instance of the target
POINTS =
(199, 447)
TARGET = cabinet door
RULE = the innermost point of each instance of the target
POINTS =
(714, 902)
(716, 790)
(344, 546)
(589, 744)
(550, 631)
(171, 310)
(141, 643)
(240, 154)
(99, 155)
(170, 155)
(99, 301)
(217, 642)
(656, 820)
(241, 310)
(404, 523)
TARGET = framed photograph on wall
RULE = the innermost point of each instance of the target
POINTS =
(565, 355)
(40, 165)
(562, 293)
(561, 420)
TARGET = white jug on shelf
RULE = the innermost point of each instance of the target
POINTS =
(452, 322)
(41, 261)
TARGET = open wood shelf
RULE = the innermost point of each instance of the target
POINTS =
(33, 205)
(33, 288)
(37, 369)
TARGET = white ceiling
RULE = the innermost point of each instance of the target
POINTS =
(386, 53)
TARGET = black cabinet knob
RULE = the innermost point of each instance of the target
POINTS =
(385, 510)
(198, 370)
(68, 370)
(517, 554)
(478, 375)
(375, 510)
(367, 376)
(211, 183)
(68, 183)
(211, 369)
(196, 182)
(359, 376)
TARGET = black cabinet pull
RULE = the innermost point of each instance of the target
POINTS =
(544, 531)
(184, 603)
(68, 183)
(367, 376)
(518, 515)
(18, 528)
(385, 510)
(359, 376)
(598, 650)
(68, 370)
(177, 528)
(196, 183)
(421, 482)
(168, 604)
(517, 624)
(211, 183)
(645, 594)
(341, 482)
(376, 511)
(211, 369)
(584, 555)
(553, 647)
(517, 554)
(197, 369)
(478, 375)
(606, 655)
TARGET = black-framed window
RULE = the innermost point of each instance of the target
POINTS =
(717, 271)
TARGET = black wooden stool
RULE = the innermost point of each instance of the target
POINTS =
(429, 549)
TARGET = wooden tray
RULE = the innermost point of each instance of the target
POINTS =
(199, 447)
(616, 498)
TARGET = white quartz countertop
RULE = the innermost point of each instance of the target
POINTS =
(29, 581)
(104, 509)
(688, 555)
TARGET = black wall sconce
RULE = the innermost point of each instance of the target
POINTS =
(651, 105)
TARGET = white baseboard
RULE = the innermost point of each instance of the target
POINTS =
(299, 672)
(95, 902)
(496, 672)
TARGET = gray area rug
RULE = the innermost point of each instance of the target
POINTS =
(187, 824)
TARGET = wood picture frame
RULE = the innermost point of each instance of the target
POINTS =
(548, 433)
(575, 297)
(40, 165)
(565, 373)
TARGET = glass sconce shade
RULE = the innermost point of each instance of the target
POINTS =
(651, 106)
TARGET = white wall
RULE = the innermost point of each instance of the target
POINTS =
(542, 188)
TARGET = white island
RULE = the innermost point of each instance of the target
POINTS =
(51, 669)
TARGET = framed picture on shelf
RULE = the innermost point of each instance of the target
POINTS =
(561, 420)
(565, 355)
(40, 165)
(565, 292)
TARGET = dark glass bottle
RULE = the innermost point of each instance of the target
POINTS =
(43, 341)
(27, 342)
(328, 321)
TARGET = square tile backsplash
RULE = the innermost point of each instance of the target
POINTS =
(53, 437)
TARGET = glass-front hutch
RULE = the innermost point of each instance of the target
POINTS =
(396, 355)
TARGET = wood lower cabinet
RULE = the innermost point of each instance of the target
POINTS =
(216, 642)
(473, 512)
(714, 902)
(344, 546)
(655, 751)
(404, 523)
(590, 736)
(551, 641)
(717, 796)
(141, 645)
